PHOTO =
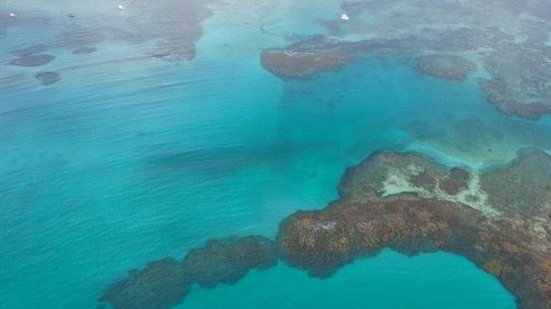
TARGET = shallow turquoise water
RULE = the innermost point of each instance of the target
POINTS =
(121, 164)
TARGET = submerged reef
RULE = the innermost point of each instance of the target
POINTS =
(173, 25)
(512, 60)
(84, 50)
(165, 283)
(32, 60)
(303, 60)
(228, 261)
(166, 29)
(498, 94)
(160, 285)
(48, 78)
(498, 218)
(28, 51)
(445, 66)
(411, 204)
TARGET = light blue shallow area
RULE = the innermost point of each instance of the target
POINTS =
(125, 163)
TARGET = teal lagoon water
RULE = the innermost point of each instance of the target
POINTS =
(128, 160)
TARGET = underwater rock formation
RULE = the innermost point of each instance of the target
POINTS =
(396, 201)
(48, 78)
(32, 60)
(165, 283)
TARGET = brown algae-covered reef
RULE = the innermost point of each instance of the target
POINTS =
(498, 218)
(167, 282)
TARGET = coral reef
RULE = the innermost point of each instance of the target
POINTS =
(228, 261)
(497, 94)
(454, 41)
(160, 285)
(167, 29)
(445, 66)
(165, 283)
(411, 204)
(522, 188)
(499, 218)
(302, 61)
(48, 78)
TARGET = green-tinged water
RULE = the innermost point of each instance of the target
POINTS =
(122, 163)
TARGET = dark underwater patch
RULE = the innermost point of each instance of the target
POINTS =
(29, 51)
(48, 78)
(32, 60)
(84, 50)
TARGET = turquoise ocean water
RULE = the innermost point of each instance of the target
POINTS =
(132, 160)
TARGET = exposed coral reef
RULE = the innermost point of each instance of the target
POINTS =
(412, 205)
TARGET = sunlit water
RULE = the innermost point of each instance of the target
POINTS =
(127, 162)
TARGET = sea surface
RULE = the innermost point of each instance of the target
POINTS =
(130, 159)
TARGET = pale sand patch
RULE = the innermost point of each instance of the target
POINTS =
(397, 182)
